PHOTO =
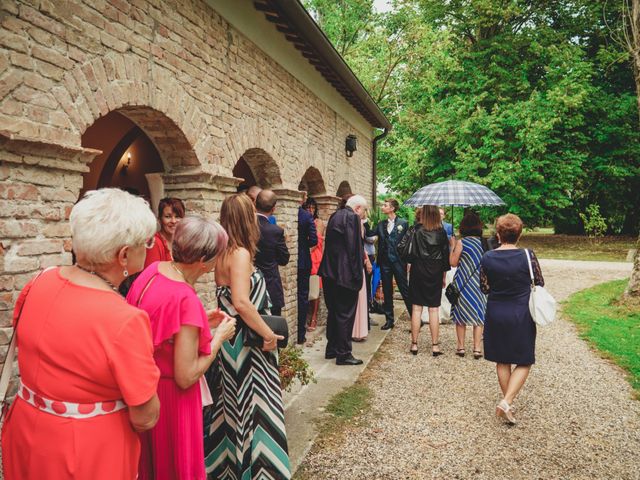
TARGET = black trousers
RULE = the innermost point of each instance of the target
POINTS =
(341, 313)
(276, 311)
(303, 302)
(388, 271)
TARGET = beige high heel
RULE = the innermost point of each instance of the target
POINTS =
(504, 410)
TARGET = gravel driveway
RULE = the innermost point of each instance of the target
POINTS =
(434, 417)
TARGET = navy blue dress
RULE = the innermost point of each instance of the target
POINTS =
(509, 330)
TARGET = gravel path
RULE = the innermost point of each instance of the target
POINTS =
(434, 417)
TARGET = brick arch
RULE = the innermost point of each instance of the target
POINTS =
(147, 94)
(264, 168)
(343, 189)
(312, 182)
(260, 146)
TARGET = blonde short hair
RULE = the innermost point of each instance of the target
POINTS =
(105, 220)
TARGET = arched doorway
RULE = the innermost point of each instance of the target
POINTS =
(257, 167)
(312, 183)
(138, 145)
(344, 189)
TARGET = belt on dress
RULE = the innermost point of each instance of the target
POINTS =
(69, 409)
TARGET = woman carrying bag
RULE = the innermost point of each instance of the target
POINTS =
(509, 331)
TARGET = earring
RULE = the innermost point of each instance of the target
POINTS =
(125, 273)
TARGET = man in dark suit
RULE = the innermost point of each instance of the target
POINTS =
(390, 233)
(341, 271)
(307, 238)
(272, 249)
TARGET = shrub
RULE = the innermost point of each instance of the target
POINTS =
(292, 367)
(594, 223)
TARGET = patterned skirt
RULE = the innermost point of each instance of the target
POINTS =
(244, 431)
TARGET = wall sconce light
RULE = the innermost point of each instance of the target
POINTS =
(351, 145)
(126, 166)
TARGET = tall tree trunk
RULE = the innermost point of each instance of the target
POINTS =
(633, 288)
(633, 44)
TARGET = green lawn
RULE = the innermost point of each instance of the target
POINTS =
(614, 329)
(576, 247)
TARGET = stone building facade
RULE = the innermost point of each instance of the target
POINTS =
(209, 84)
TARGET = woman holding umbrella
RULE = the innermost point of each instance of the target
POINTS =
(428, 271)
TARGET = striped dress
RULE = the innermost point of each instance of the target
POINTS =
(244, 432)
(472, 304)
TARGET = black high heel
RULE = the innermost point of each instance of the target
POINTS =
(415, 352)
(477, 354)
(460, 352)
(438, 353)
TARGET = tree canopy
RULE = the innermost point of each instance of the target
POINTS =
(533, 98)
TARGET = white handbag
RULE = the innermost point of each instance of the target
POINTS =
(541, 304)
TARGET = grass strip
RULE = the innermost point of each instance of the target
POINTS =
(612, 327)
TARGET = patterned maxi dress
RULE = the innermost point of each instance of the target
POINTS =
(244, 432)
(472, 303)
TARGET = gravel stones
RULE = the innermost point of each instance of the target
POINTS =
(434, 417)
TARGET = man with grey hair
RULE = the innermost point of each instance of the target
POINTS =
(341, 271)
(272, 249)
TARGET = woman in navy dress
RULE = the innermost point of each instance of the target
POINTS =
(509, 331)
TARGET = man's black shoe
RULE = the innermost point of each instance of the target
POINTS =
(301, 341)
(330, 356)
(350, 360)
(387, 326)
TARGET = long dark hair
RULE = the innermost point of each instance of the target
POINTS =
(311, 202)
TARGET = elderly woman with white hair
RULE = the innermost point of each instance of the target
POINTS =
(88, 378)
(184, 348)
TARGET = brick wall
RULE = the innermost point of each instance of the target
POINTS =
(203, 93)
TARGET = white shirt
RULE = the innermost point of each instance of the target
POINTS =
(391, 223)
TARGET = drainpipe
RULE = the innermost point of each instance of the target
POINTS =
(374, 159)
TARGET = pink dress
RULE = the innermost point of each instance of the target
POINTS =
(361, 323)
(174, 448)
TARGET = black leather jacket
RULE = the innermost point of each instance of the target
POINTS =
(432, 245)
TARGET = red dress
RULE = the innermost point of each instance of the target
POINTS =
(82, 345)
(159, 252)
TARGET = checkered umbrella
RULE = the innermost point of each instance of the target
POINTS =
(454, 193)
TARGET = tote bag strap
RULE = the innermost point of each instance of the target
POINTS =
(11, 353)
(526, 251)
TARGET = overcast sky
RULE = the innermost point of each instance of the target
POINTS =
(382, 5)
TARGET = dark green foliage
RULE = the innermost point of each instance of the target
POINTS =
(532, 98)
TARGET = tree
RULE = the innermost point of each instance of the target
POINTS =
(528, 97)
(631, 31)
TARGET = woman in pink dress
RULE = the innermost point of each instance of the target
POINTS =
(361, 323)
(183, 349)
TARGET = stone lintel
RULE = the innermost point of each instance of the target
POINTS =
(288, 194)
(23, 150)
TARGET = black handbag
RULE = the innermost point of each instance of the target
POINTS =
(277, 324)
(406, 247)
(452, 292)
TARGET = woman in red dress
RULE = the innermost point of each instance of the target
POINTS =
(88, 378)
(170, 212)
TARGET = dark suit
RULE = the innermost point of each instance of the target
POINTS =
(341, 271)
(391, 266)
(307, 238)
(272, 251)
